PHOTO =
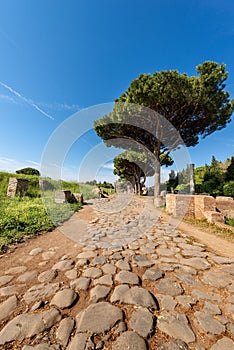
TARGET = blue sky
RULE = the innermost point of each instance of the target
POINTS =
(59, 57)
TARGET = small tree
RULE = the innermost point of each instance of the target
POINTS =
(28, 171)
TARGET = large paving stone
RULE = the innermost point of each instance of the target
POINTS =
(36, 251)
(134, 296)
(40, 291)
(109, 269)
(42, 346)
(169, 286)
(47, 276)
(98, 293)
(92, 272)
(27, 325)
(8, 290)
(16, 270)
(199, 294)
(87, 255)
(81, 283)
(5, 279)
(127, 277)
(129, 340)
(64, 298)
(152, 274)
(176, 344)
(142, 261)
(81, 341)
(27, 276)
(142, 322)
(208, 324)
(106, 280)
(7, 307)
(64, 330)
(220, 260)
(216, 279)
(176, 325)
(223, 344)
(197, 263)
(63, 265)
(98, 318)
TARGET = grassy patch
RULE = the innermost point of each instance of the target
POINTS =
(24, 216)
(212, 228)
(229, 222)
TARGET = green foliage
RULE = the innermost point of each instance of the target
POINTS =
(196, 106)
(28, 171)
(87, 189)
(183, 188)
(228, 189)
(230, 171)
(22, 216)
(229, 222)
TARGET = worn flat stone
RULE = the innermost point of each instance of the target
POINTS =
(211, 309)
(92, 272)
(64, 330)
(48, 255)
(152, 274)
(106, 280)
(129, 340)
(134, 296)
(223, 344)
(27, 276)
(186, 301)
(208, 324)
(7, 307)
(142, 261)
(109, 269)
(99, 293)
(81, 283)
(165, 252)
(8, 290)
(89, 318)
(127, 277)
(176, 325)
(5, 279)
(207, 296)
(167, 302)
(176, 344)
(87, 255)
(63, 265)
(64, 298)
(47, 276)
(188, 279)
(99, 260)
(42, 346)
(216, 279)
(27, 325)
(16, 270)
(81, 341)
(123, 265)
(170, 287)
(72, 274)
(196, 263)
(220, 260)
(36, 251)
(142, 322)
(40, 291)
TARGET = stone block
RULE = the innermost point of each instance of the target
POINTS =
(78, 197)
(17, 186)
(180, 205)
(213, 217)
(202, 204)
(224, 203)
(62, 196)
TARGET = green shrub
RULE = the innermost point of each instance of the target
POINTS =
(228, 189)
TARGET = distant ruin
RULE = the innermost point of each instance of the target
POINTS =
(17, 186)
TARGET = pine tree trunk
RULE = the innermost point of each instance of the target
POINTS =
(157, 199)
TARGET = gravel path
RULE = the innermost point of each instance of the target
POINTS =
(127, 282)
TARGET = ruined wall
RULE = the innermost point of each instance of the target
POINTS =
(17, 186)
(200, 207)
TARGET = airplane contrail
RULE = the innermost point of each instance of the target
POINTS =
(31, 103)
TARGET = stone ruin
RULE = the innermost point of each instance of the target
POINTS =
(45, 185)
(17, 186)
(62, 196)
(200, 207)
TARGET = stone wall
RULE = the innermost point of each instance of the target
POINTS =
(200, 207)
(62, 196)
(17, 186)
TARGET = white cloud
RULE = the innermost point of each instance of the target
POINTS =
(7, 99)
(108, 166)
(27, 100)
(33, 162)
